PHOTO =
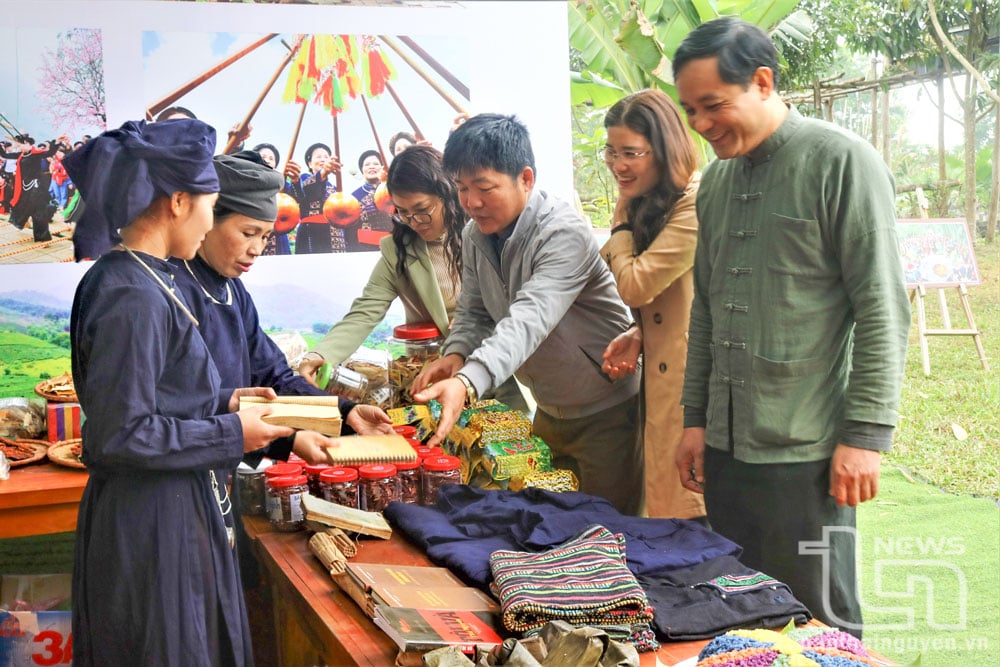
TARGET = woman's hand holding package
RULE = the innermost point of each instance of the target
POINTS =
(263, 392)
(256, 432)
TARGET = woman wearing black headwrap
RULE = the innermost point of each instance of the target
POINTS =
(155, 579)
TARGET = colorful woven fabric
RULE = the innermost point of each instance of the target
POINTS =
(798, 647)
(583, 581)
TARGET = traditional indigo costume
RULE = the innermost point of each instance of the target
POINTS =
(155, 580)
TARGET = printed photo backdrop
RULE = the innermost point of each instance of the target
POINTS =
(308, 98)
(151, 50)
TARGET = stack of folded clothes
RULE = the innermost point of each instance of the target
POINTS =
(583, 581)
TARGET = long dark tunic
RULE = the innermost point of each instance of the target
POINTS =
(155, 581)
(243, 353)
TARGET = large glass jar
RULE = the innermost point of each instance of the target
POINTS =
(283, 470)
(284, 502)
(343, 382)
(250, 488)
(379, 486)
(438, 471)
(411, 347)
(340, 485)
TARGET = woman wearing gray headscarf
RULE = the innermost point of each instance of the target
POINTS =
(155, 580)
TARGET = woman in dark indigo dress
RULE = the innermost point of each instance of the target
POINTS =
(155, 580)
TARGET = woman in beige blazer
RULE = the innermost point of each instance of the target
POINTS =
(651, 254)
(420, 263)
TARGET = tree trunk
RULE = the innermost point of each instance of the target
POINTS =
(875, 104)
(885, 127)
(942, 171)
(969, 154)
(991, 219)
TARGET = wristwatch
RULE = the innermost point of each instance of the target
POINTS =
(471, 396)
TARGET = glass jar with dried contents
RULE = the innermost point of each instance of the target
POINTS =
(250, 487)
(340, 485)
(312, 474)
(379, 486)
(438, 471)
(411, 347)
(284, 502)
(409, 480)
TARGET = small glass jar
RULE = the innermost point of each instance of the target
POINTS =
(284, 502)
(343, 382)
(408, 473)
(411, 347)
(312, 474)
(250, 488)
(438, 471)
(406, 430)
(379, 486)
(340, 485)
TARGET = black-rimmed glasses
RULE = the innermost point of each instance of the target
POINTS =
(423, 217)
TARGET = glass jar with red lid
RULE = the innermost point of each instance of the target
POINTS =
(438, 471)
(283, 470)
(313, 472)
(408, 473)
(411, 347)
(340, 485)
(406, 430)
(284, 502)
(379, 486)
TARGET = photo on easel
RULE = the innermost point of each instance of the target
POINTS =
(936, 252)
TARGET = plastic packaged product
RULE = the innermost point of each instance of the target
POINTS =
(340, 485)
(284, 502)
(438, 471)
(409, 480)
(379, 486)
(312, 474)
(411, 347)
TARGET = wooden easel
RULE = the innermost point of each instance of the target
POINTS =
(917, 296)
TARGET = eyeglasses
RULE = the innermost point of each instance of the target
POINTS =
(611, 156)
(424, 217)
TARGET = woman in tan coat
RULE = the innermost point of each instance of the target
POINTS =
(651, 253)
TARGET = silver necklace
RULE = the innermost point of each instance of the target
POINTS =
(229, 290)
(163, 285)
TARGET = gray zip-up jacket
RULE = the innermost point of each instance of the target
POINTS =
(544, 311)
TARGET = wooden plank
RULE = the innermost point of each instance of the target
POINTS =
(39, 499)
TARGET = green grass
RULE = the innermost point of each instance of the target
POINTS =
(938, 557)
(25, 360)
(958, 392)
(936, 522)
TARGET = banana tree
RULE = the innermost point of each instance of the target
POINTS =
(626, 45)
(621, 46)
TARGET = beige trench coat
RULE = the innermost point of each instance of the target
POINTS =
(659, 284)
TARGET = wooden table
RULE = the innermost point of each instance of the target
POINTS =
(318, 624)
(39, 499)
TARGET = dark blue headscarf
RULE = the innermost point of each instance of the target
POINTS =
(120, 173)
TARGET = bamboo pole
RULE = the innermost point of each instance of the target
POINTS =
(336, 152)
(295, 133)
(426, 77)
(371, 121)
(406, 113)
(260, 98)
(438, 67)
(170, 98)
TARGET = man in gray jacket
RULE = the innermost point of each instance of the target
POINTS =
(537, 302)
